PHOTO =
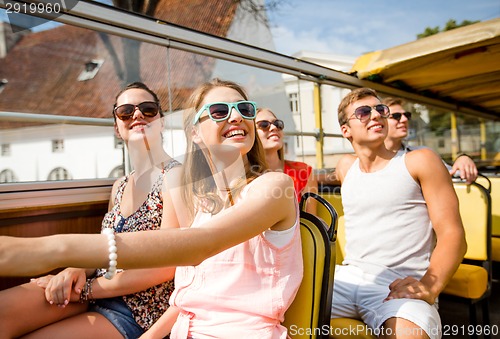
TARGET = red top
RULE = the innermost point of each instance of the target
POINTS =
(300, 172)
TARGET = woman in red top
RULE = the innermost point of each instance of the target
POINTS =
(270, 130)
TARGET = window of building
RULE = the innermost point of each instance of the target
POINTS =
(90, 69)
(57, 146)
(7, 175)
(59, 173)
(5, 150)
(294, 102)
(3, 83)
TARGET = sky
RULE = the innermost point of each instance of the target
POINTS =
(354, 27)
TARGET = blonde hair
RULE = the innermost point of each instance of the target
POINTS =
(200, 190)
(390, 101)
(281, 152)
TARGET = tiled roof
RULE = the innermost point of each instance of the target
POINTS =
(42, 68)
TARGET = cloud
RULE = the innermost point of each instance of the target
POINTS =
(354, 27)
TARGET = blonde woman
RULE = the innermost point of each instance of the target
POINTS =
(241, 256)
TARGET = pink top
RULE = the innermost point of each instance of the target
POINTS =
(242, 292)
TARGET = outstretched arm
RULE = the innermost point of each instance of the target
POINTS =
(466, 167)
(267, 205)
(67, 285)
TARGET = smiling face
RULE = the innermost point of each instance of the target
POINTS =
(374, 129)
(138, 125)
(272, 138)
(235, 131)
(397, 130)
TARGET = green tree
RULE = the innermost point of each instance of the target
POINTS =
(451, 24)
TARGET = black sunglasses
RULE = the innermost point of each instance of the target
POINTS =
(126, 111)
(397, 116)
(265, 125)
(364, 113)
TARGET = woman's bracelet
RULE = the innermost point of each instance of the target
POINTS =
(112, 249)
(86, 294)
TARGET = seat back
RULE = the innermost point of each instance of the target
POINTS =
(309, 314)
(472, 280)
(493, 182)
(336, 201)
(343, 326)
(475, 211)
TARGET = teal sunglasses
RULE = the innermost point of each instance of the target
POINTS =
(220, 111)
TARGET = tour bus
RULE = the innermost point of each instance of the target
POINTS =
(64, 61)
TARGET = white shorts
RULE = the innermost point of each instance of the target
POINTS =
(360, 295)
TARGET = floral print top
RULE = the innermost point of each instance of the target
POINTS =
(148, 305)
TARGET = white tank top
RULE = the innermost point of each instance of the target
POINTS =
(387, 225)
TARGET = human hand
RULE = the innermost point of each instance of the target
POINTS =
(42, 281)
(410, 288)
(64, 287)
(467, 168)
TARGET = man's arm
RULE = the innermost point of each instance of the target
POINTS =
(427, 169)
(466, 167)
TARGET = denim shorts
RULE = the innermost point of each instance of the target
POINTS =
(118, 313)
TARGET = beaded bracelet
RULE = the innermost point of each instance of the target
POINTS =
(86, 294)
(111, 272)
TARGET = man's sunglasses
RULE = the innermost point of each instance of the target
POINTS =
(220, 111)
(265, 125)
(364, 113)
(397, 116)
(126, 111)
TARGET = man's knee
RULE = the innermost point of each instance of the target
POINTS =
(401, 328)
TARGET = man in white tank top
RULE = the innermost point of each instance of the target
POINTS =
(397, 125)
(404, 235)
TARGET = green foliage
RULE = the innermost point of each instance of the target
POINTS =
(439, 122)
(451, 24)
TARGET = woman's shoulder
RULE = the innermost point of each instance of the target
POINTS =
(120, 182)
(272, 179)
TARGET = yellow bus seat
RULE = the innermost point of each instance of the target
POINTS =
(309, 314)
(336, 201)
(493, 182)
(348, 328)
(342, 328)
(472, 280)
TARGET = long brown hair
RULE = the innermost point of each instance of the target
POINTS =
(200, 190)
